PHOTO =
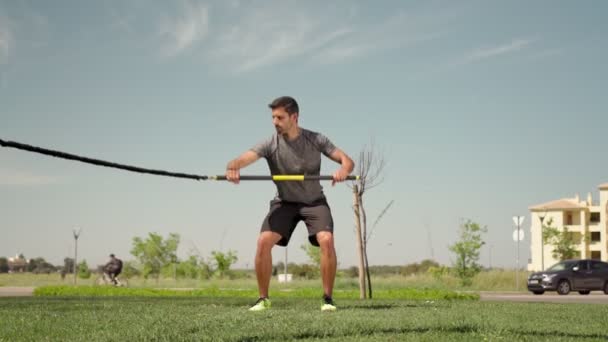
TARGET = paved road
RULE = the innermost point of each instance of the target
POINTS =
(595, 297)
(16, 291)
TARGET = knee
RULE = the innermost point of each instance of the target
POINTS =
(326, 241)
(265, 242)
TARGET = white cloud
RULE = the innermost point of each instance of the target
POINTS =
(396, 32)
(182, 32)
(248, 36)
(271, 33)
(494, 51)
(23, 178)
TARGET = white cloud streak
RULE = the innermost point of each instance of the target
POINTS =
(246, 37)
(397, 31)
(495, 51)
(184, 31)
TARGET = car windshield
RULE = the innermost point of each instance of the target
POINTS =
(560, 266)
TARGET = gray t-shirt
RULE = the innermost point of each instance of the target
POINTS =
(301, 156)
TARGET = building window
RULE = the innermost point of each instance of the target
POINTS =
(596, 237)
(595, 217)
(569, 219)
(596, 255)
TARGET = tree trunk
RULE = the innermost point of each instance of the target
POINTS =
(359, 242)
(369, 278)
(364, 233)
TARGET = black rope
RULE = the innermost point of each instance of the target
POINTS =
(64, 155)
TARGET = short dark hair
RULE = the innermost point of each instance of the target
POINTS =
(111, 255)
(286, 102)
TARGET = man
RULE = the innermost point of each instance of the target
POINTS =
(294, 150)
(113, 268)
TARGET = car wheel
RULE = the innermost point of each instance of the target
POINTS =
(586, 292)
(563, 287)
(538, 292)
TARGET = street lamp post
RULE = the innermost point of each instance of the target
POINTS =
(76, 235)
(517, 236)
(285, 266)
(542, 239)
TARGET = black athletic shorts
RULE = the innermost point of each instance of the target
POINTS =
(283, 218)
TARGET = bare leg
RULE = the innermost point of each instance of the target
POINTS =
(263, 260)
(328, 261)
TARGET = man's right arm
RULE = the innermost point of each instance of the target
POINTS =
(233, 167)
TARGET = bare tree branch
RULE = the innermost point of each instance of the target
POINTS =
(370, 168)
(382, 213)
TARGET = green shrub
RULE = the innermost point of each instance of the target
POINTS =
(83, 270)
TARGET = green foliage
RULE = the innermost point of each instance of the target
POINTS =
(39, 265)
(417, 268)
(3, 265)
(392, 270)
(467, 251)
(299, 271)
(563, 241)
(169, 270)
(155, 253)
(193, 268)
(188, 268)
(68, 265)
(352, 272)
(83, 270)
(223, 261)
(130, 269)
(303, 271)
(205, 271)
(308, 271)
(493, 280)
(438, 272)
(313, 253)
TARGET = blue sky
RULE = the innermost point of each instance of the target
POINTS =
(480, 108)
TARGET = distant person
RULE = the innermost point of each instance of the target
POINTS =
(113, 268)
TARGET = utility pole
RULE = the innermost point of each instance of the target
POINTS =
(542, 239)
(285, 271)
(76, 235)
(518, 236)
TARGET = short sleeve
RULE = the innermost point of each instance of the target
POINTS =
(325, 145)
(264, 147)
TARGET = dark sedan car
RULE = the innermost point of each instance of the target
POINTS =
(583, 276)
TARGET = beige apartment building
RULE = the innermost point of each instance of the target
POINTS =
(580, 217)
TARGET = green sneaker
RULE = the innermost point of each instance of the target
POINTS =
(328, 304)
(261, 305)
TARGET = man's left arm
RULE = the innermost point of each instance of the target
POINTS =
(347, 165)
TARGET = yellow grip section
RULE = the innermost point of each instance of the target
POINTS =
(288, 177)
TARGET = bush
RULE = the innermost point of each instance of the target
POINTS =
(130, 269)
(83, 270)
(439, 272)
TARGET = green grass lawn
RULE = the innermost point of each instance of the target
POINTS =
(111, 291)
(227, 319)
(495, 280)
